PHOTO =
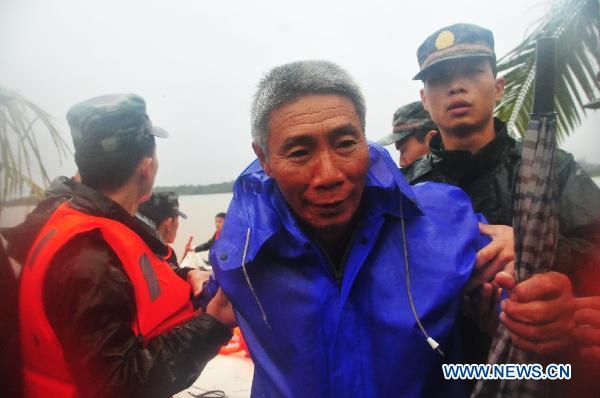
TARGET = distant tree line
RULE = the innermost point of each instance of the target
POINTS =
(593, 169)
(222, 187)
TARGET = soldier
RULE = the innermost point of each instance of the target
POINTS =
(162, 209)
(474, 151)
(162, 212)
(412, 131)
(102, 315)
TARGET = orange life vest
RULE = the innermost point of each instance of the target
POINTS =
(162, 299)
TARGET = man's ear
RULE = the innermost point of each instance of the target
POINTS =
(146, 167)
(499, 85)
(429, 136)
(261, 158)
(423, 100)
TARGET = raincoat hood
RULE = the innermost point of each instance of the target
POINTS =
(259, 206)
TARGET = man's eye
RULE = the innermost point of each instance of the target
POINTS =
(298, 153)
(438, 78)
(346, 143)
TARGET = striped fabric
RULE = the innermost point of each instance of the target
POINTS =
(535, 224)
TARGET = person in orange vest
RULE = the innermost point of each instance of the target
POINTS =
(162, 212)
(101, 313)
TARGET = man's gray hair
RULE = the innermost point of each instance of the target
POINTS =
(286, 83)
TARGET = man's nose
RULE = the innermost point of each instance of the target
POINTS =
(457, 85)
(402, 162)
(327, 171)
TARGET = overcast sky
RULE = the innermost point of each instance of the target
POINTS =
(197, 63)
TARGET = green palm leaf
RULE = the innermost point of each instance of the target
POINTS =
(20, 153)
(576, 26)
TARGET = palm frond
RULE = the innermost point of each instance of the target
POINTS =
(576, 26)
(21, 156)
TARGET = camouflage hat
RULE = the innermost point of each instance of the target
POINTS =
(408, 119)
(160, 206)
(455, 42)
(108, 122)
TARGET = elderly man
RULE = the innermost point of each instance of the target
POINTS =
(412, 131)
(344, 279)
(102, 314)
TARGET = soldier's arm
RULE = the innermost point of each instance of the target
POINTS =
(90, 304)
(205, 246)
(578, 252)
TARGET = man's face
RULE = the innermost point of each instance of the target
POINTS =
(219, 223)
(460, 95)
(318, 155)
(411, 149)
(168, 229)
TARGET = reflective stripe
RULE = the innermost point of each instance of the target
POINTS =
(40, 246)
(150, 277)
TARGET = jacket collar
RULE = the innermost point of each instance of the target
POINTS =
(259, 212)
(92, 202)
(460, 165)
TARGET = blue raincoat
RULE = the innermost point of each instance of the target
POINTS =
(310, 336)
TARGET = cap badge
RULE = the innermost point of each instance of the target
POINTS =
(444, 40)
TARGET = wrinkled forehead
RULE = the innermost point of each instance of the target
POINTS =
(313, 109)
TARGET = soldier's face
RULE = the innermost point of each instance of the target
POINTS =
(318, 155)
(411, 149)
(168, 229)
(460, 95)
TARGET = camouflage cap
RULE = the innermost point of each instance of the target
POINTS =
(408, 119)
(160, 206)
(455, 42)
(108, 122)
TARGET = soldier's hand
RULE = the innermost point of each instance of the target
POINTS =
(196, 279)
(497, 256)
(487, 303)
(587, 328)
(220, 308)
(539, 312)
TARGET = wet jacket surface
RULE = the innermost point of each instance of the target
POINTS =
(89, 302)
(489, 178)
(313, 335)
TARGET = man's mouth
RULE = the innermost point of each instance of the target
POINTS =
(330, 205)
(459, 107)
